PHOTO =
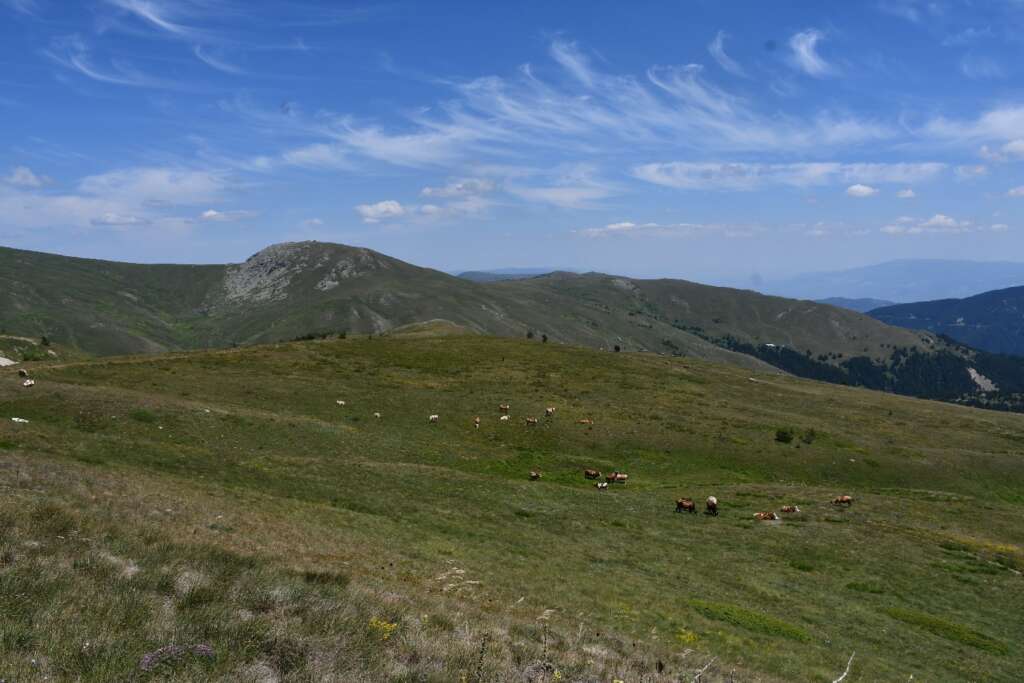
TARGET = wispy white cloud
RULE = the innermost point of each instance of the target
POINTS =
(1011, 150)
(164, 15)
(804, 46)
(717, 50)
(111, 219)
(22, 6)
(312, 222)
(980, 67)
(575, 187)
(461, 188)
(937, 224)
(217, 63)
(157, 185)
(1003, 123)
(215, 216)
(389, 209)
(23, 176)
(749, 176)
(971, 171)
(318, 155)
(906, 193)
(631, 229)
(73, 54)
(860, 190)
(1016, 192)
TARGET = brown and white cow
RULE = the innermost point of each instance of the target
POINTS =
(591, 474)
(434, 419)
(531, 421)
(617, 478)
(534, 475)
(843, 500)
(789, 509)
(476, 422)
(766, 516)
(504, 407)
(549, 412)
(686, 505)
(585, 421)
(22, 372)
(711, 506)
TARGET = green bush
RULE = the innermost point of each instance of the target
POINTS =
(784, 435)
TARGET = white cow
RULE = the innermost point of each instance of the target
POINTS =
(503, 418)
(434, 418)
(340, 403)
(28, 383)
(377, 415)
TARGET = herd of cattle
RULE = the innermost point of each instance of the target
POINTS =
(682, 504)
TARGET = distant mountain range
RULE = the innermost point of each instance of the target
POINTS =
(304, 289)
(508, 273)
(859, 305)
(903, 281)
(993, 321)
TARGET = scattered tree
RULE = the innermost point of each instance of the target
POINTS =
(784, 435)
(544, 338)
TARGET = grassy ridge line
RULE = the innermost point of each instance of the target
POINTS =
(433, 494)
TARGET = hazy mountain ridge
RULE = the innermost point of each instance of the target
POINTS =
(993, 321)
(294, 289)
(859, 305)
(904, 280)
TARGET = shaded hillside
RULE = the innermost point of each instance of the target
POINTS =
(222, 498)
(993, 321)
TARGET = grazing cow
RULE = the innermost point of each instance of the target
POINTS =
(686, 505)
(766, 516)
(504, 407)
(377, 415)
(476, 422)
(503, 418)
(711, 506)
(434, 419)
(843, 500)
(531, 421)
(22, 372)
(534, 475)
(585, 421)
(549, 412)
(790, 509)
(601, 486)
(28, 383)
(617, 477)
(340, 403)
(591, 474)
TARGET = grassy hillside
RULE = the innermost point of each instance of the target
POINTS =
(303, 289)
(224, 499)
(993, 321)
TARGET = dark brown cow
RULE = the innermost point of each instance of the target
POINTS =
(788, 509)
(843, 500)
(592, 474)
(617, 478)
(711, 506)
(686, 505)
(22, 372)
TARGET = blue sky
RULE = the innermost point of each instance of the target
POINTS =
(706, 140)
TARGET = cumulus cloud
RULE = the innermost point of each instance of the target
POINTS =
(748, 176)
(860, 190)
(906, 193)
(388, 209)
(804, 46)
(22, 176)
(717, 50)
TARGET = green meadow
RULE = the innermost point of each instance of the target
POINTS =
(224, 499)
